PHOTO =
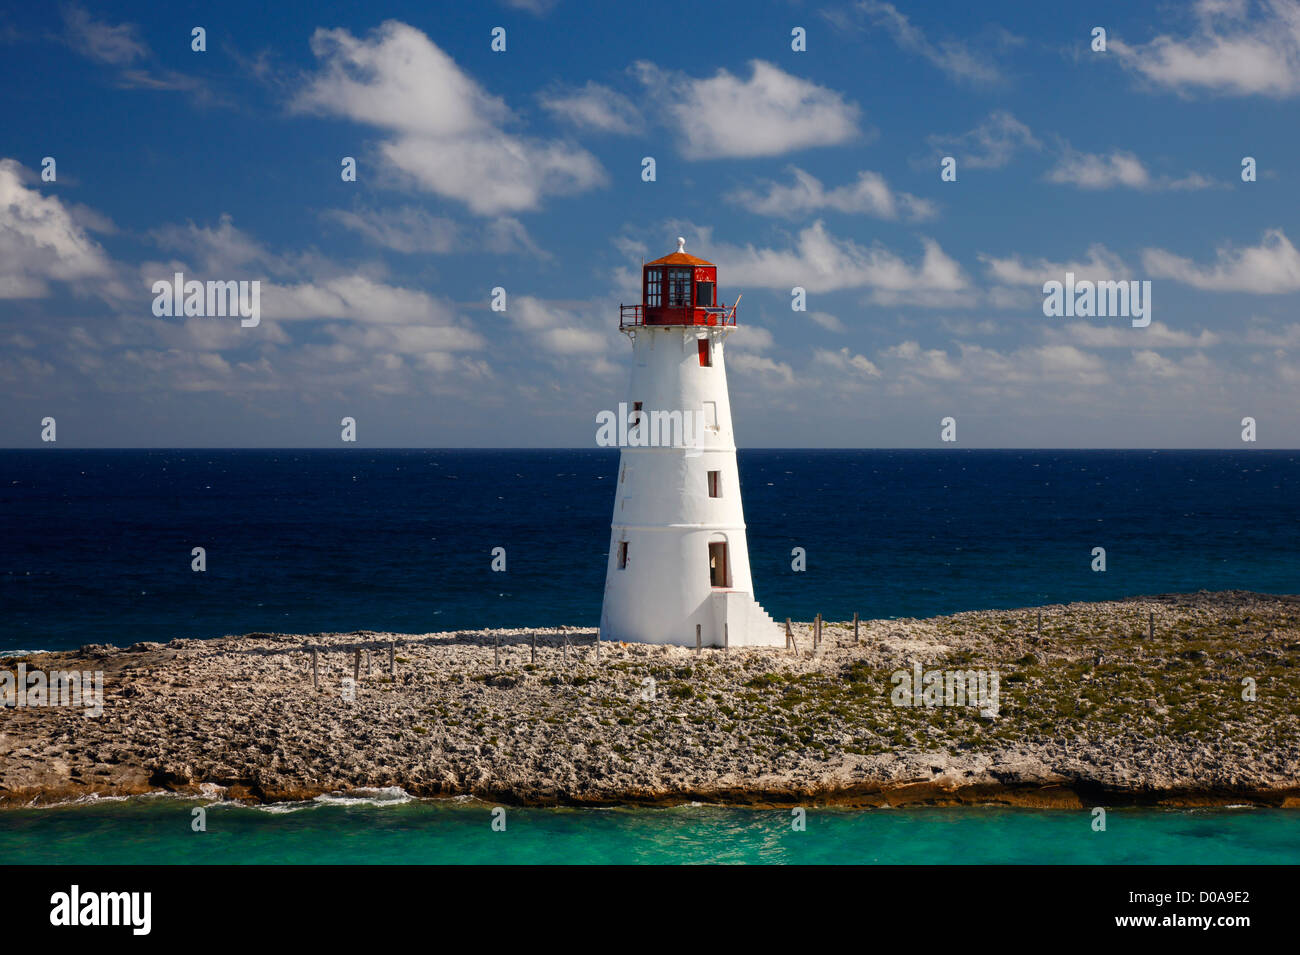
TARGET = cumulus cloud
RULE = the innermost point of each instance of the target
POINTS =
(820, 262)
(771, 113)
(961, 61)
(868, 195)
(1237, 48)
(1119, 168)
(827, 321)
(565, 329)
(412, 229)
(40, 240)
(1099, 265)
(593, 106)
(447, 134)
(1155, 335)
(406, 229)
(990, 145)
(1270, 268)
(768, 371)
(845, 362)
(1285, 337)
(979, 367)
(115, 44)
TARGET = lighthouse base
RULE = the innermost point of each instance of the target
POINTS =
(731, 618)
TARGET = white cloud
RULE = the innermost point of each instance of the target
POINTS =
(1153, 363)
(1286, 337)
(40, 241)
(819, 262)
(448, 134)
(845, 362)
(771, 113)
(923, 362)
(1229, 52)
(411, 230)
(959, 60)
(1119, 168)
(1155, 335)
(750, 338)
(983, 369)
(827, 321)
(117, 45)
(593, 107)
(220, 250)
(1100, 264)
(990, 145)
(869, 195)
(407, 229)
(1091, 171)
(364, 300)
(564, 329)
(535, 7)
(1270, 268)
(771, 373)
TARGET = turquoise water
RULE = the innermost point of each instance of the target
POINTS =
(159, 831)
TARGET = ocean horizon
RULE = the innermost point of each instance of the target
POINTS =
(98, 543)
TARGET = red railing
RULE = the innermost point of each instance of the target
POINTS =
(631, 316)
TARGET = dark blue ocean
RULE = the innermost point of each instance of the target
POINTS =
(95, 545)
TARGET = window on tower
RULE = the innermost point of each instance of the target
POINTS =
(715, 484)
(706, 353)
(654, 287)
(679, 288)
(704, 294)
(622, 555)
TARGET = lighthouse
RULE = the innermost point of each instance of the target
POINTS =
(678, 558)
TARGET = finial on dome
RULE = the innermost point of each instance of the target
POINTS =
(681, 244)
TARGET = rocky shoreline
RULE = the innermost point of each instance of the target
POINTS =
(1093, 710)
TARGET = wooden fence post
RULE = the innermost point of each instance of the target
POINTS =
(496, 652)
(315, 673)
(697, 640)
(356, 667)
(532, 639)
(726, 640)
(855, 628)
(1040, 622)
(392, 658)
(1151, 626)
(793, 644)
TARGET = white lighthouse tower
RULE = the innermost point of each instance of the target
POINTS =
(678, 558)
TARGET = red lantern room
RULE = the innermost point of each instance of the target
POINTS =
(678, 289)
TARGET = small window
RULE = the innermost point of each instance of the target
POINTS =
(622, 555)
(715, 484)
(706, 353)
(704, 294)
(654, 287)
(679, 288)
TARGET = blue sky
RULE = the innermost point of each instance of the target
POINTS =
(523, 169)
